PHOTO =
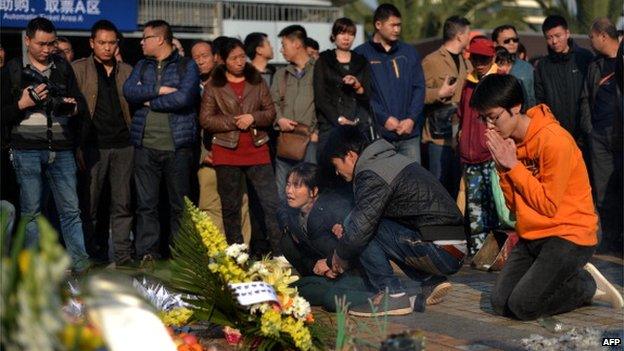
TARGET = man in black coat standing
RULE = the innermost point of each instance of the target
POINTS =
(402, 214)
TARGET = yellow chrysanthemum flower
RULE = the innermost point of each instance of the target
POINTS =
(299, 333)
(271, 323)
(176, 317)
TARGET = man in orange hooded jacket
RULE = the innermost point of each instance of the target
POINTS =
(545, 183)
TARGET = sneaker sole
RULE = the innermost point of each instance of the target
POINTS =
(399, 312)
(438, 293)
(612, 296)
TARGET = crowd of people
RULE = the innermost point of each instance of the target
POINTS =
(319, 162)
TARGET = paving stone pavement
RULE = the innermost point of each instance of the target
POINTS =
(465, 320)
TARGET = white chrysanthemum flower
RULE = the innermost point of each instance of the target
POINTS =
(301, 307)
(242, 258)
(235, 250)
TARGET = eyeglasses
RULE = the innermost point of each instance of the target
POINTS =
(509, 40)
(492, 120)
(149, 36)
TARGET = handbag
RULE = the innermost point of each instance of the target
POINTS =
(292, 145)
(440, 117)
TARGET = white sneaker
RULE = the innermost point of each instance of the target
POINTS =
(605, 291)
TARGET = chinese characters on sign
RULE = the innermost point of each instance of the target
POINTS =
(70, 14)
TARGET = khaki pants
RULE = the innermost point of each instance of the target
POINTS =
(210, 202)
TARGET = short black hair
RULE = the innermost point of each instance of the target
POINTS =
(63, 40)
(497, 90)
(342, 25)
(103, 25)
(311, 43)
(503, 55)
(39, 23)
(344, 139)
(218, 42)
(554, 21)
(453, 26)
(305, 173)
(164, 26)
(497, 31)
(252, 42)
(294, 31)
(385, 11)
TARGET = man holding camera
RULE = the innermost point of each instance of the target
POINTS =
(40, 102)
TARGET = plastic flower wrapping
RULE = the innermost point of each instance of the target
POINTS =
(285, 313)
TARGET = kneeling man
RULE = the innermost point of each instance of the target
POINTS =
(545, 183)
(402, 214)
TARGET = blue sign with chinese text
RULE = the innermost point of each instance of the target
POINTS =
(70, 14)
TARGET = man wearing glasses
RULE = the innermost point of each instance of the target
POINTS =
(507, 37)
(164, 88)
(546, 186)
(559, 77)
(41, 103)
(105, 152)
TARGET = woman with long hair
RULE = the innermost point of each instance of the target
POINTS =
(237, 109)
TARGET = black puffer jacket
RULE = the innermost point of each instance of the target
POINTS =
(333, 98)
(304, 245)
(559, 80)
(391, 186)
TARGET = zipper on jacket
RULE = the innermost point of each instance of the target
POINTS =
(396, 68)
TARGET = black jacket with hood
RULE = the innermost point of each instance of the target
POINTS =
(388, 185)
(559, 80)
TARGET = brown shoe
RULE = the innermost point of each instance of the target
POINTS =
(437, 293)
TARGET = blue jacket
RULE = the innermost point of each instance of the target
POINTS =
(524, 72)
(397, 85)
(143, 85)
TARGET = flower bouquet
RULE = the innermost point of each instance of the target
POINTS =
(255, 299)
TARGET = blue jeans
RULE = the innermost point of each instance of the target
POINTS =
(419, 260)
(409, 147)
(32, 168)
(150, 166)
(283, 166)
(445, 166)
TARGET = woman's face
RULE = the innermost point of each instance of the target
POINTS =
(344, 40)
(298, 195)
(235, 62)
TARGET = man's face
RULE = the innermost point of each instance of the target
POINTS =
(345, 166)
(151, 41)
(66, 50)
(390, 29)
(313, 53)
(104, 45)
(557, 39)
(464, 38)
(597, 41)
(508, 39)
(290, 47)
(265, 50)
(481, 63)
(202, 54)
(41, 45)
(500, 120)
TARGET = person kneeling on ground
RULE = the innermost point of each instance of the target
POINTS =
(311, 224)
(402, 214)
(545, 183)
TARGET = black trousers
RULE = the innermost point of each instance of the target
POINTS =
(262, 179)
(542, 278)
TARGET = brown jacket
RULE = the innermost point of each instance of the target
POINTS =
(220, 105)
(436, 66)
(87, 78)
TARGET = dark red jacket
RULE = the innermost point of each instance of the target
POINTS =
(472, 148)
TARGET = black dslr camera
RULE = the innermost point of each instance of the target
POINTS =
(54, 103)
